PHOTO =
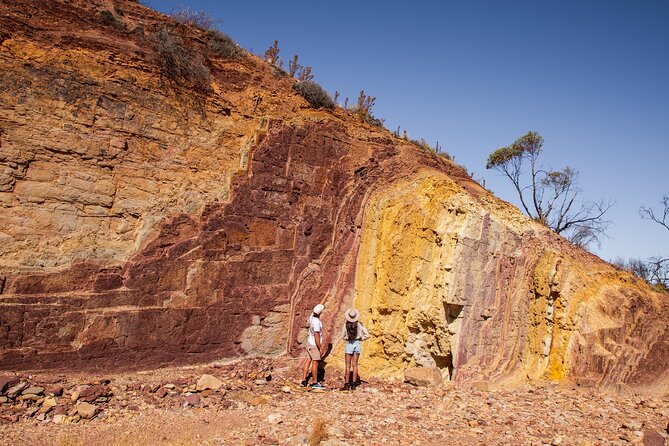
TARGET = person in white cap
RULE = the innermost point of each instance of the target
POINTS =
(315, 348)
(354, 333)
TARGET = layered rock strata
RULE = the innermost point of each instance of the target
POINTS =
(149, 221)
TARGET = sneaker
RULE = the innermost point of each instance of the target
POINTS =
(304, 383)
(351, 386)
(317, 386)
(347, 386)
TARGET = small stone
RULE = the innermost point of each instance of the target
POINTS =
(170, 386)
(423, 376)
(473, 423)
(557, 441)
(652, 438)
(226, 404)
(32, 411)
(74, 396)
(192, 400)
(59, 419)
(33, 390)
(48, 404)
(92, 393)
(16, 390)
(260, 382)
(633, 425)
(262, 399)
(41, 417)
(3, 399)
(162, 392)
(7, 382)
(86, 410)
(285, 389)
(275, 418)
(55, 390)
(208, 382)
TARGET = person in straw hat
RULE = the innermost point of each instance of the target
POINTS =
(353, 333)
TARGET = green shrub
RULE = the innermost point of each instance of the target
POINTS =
(181, 65)
(315, 95)
(221, 44)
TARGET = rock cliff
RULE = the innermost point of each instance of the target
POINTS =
(150, 219)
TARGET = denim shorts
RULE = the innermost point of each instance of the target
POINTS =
(353, 347)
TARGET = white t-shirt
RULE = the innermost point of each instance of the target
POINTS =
(315, 326)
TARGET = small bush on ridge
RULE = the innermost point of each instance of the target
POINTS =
(314, 94)
(109, 19)
(180, 64)
(192, 17)
(221, 44)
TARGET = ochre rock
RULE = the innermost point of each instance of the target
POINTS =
(423, 376)
(147, 223)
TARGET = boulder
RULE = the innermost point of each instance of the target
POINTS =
(653, 438)
(208, 382)
(33, 390)
(92, 393)
(86, 410)
(59, 419)
(48, 404)
(7, 382)
(423, 376)
(16, 390)
(192, 400)
(162, 392)
(55, 390)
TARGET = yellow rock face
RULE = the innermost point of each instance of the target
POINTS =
(443, 282)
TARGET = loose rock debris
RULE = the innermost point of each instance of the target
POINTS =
(237, 404)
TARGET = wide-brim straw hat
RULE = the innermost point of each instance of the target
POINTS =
(352, 315)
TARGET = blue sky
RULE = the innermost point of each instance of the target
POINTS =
(592, 77)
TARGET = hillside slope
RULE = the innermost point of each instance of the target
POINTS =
(150, 219)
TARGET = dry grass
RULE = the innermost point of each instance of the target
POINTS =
(319, 432)
(68, 440)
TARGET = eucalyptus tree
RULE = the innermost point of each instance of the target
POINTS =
(550, 197)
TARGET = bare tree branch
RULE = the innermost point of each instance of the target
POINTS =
(555, 197)
(648, 213)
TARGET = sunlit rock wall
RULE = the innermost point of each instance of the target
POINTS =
(144, 224)
(445, 281)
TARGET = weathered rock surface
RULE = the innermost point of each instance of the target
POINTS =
(145, 223)
(86, 410)
(208, 382)
(423, 376)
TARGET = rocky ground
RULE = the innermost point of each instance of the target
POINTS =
(258, 402)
